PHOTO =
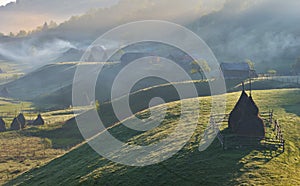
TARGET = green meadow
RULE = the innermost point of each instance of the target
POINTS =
(215, 166)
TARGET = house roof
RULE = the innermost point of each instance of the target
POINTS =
(235, 66)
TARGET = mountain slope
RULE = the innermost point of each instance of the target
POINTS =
(49, 79)
(266, 33)
(83, 166)
(45, 79)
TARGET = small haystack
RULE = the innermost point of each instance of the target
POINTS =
(2, 125)
(18, 123)
(39, 120)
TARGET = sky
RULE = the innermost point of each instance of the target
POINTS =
(29, 14)
(4, 2)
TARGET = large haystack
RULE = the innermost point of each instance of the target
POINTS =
(2, 125)
(15, 125)
(18, 123)
(22, 120)
(39, 120)
(244, 119)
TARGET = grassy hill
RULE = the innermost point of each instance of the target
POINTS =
(48, 80)
(267, 84)
(43, 80)
(23, 150)
(82, 166)
(51, 86)
(142, 95)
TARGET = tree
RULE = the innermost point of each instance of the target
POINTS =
(200, 66)
(45, 26)
(250, 63)
(47, 143)
(52, 24)
(22, 33)
(97, 104)
(296, 66)
(11, 34)
(272, 72)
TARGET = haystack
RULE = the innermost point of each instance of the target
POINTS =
(39, 120)
(2, 125)
(18, 123)
(244, 119)
(15, 125)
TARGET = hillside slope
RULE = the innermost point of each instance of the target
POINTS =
(43, 80)
(83, 166)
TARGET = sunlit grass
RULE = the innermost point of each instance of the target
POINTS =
(23, 150)
(189, 166)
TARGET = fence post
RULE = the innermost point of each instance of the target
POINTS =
(224, 143)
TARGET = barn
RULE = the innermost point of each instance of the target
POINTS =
(237, 71)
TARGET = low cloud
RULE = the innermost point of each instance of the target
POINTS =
(32, 52)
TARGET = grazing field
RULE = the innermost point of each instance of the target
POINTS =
(241, 166)
(34, 146)
(63, 97)
(10, 108)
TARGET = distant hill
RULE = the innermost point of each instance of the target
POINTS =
(268, 36)
(72, 54)
(52, 84)
(43, 80)
(237, 31)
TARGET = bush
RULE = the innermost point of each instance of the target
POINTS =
(47, 143)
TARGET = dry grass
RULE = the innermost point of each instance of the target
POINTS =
(23, 150)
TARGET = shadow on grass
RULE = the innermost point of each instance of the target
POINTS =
(214, 166)
(62, 137)
(293, 108)
(290, 101)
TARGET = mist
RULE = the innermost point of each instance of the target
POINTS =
(264, 31)
(267, 32)
(35, 53)
(28, 14)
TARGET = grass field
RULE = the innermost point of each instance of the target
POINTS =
(63, 97)
(32, 147)
(83, 166)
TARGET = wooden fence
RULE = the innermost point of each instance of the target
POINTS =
(284, 79)
(274, 136)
